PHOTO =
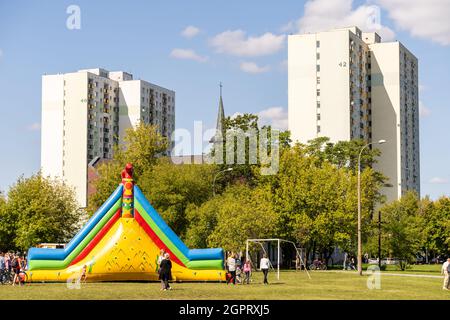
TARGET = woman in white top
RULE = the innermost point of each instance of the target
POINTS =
(264, 267)
(161, 257)
(231, 263)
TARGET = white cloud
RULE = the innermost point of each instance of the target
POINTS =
(289, 27)
(236, 43)
(424, 111)
(277, 117)
(251, 67)
(187, 54)
(423, 19)
(438, 180)
(34, 126)
(190, 32)
(323, 15)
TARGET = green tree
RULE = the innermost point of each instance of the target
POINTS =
(435, 218)
(227, 220)
(142, 146)
(246, 132)
(402, 229)
(40, 209)
(172, 188)
(342, 153)
(7, 225)
(317, 200)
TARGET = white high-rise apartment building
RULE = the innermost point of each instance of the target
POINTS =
(85, 113)
(346, 84)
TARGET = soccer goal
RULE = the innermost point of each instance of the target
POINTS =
(261, 242)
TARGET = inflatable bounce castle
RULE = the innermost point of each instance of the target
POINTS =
(122, 241)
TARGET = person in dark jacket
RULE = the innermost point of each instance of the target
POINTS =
(165, 272)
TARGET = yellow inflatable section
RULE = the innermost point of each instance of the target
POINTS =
(122, 241)
(125, 253)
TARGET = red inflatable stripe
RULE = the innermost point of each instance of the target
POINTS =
(97, 238)
(155, 237)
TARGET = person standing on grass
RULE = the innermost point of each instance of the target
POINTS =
(8, 263)
(445, 271)
(83, 276)
(162, 252)
(16, 266)
(2, 266)
(247, 271)
(165, 272)
(231, 263)
(264, 267)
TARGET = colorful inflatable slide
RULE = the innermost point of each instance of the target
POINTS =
(122, 241)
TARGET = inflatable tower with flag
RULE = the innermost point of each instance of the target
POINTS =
(122, 241)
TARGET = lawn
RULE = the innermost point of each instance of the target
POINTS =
(292, 285)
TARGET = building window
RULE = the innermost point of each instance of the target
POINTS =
(318, 68)
(318, 116)
(318, 92)
(318, 129)
(317, 55)
(318, 104)
(317, 44)
(318, 80)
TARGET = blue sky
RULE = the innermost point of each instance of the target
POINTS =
(241, 43)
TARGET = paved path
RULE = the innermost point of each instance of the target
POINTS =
(390, 274)
(409, 275)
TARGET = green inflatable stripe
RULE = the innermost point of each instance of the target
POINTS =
(205, 265)
(160, 234)
(61, 264)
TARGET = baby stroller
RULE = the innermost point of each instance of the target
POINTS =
(239, 276)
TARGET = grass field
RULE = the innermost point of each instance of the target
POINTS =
(292, 285)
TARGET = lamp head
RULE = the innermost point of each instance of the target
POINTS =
(381, 141)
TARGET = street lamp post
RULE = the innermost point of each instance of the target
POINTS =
(359, 206)
(379, 239)
(214, 182)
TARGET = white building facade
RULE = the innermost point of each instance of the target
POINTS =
(85, 113)
(345, 84)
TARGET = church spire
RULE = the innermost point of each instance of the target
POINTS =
(220, 119)
(221, 114)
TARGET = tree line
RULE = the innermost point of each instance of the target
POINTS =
(311, 200)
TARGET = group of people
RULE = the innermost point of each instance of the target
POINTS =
(233, 264)
(235, 268)
(349, 262)
(12, 265)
